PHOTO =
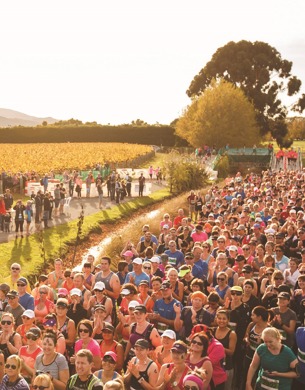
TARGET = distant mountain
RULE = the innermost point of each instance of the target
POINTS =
(14, 118)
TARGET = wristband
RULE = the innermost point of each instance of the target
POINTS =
(141, 379)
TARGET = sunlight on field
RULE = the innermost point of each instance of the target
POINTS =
(58, 157)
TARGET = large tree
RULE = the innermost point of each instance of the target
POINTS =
(221, 115)
(259, 70)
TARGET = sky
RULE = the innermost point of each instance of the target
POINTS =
(118, 61)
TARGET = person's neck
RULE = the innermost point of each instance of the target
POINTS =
(108, 342)
(283, 309)
(33, 347)
(168, 299)
(84, 377)
(105, 273)
(13, 378)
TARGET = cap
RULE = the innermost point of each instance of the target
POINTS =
(237, 288)
(241, 227)
(13, 293)
(140, 308)
(35, 331)
(29, 313)
(284, 295)
(99, 286)
(62, 302)
(257, 226)
(137, 260)
(247, 268)
(62, 291)
(144, 282)
(108, 326)
(22, 280)
(169, 333)
(155, 259)
(183, 272)
(142, 343)
(125, 291)
(113, 355)
(235, 238)
(128, 253)
(133, 304)
(280, 235)
(98, 266)
(189, 254)
(198, 294)
(165, 284)
(99, 307)
(233, 248)
(75, 291)
(179, 348)
(270, 231)
(258, 220)
(5, 288)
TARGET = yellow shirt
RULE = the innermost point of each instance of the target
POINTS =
(13, 285)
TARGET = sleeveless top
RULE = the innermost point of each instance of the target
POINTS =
(112, 348)
(64, 328)
(230, 280)
(106, 281)
(134, 384)
(100, 373)
(225, 341)
(199, 364)
(180, 383)
(135, 336)
(223, 292)
(255, 340)
(4, 349)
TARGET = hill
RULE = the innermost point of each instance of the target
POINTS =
(12, 118)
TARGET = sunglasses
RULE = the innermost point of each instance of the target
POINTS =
(302, 272)
(21, 285)
(278, 250)
(6, 322)
(99, 291)
(30, 336)
(221, 242)
(246, 249)
(25, 318)
(12, 366)
(269, 273)
(106, 331)
(190, 388)
(108, 360)
(11, 298)
(83, 330)
(42, 292)
(197, 342)
(35, 387)
(15, 269)
(147, 267)
(278, 279)
(236, 293)
(222, 279)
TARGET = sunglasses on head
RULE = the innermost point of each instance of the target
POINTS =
(197, 342)
(31, 336)
(12, 366)
(3, 322)
(236, 293)
(83, 330)
(36, 387)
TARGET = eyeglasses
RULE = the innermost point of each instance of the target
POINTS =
(83, 330)
(42, 292)
(15, 269)
(21, 285)
(236, 293)
(147, 267)
(30, 336)
(36, 387)
(108, 360)
(222, 279)
(197, 342)
(3, 322)
(12, 366)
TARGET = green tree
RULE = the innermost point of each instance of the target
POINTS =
(259, 70)
(221, 115)
(296, 128)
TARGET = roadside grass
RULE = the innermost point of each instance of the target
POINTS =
(28, 251)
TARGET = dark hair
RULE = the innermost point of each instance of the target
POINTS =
(205, 341)
(106, 258)
(50, 334)
(131, 287)
(156, 279)
(87, 324)
(121, 265)
(198, 282)
(262, 312)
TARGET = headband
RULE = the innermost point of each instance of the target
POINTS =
(194, 378)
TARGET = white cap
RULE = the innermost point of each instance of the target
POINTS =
(133, 304)
(169, 333)
(28, 313)
(137, 260)
(125, 291)
(75, 291)
(233, 248)
(155, 259)
(99, 286)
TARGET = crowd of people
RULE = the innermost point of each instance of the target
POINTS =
(215, 299)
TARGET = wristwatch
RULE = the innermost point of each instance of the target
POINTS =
(175, 384)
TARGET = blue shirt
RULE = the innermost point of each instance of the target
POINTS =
(138, 278)
(27, 301)
(200, 270)
(166, 310)
(175, 259)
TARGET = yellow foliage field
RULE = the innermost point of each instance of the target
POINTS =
(58, 157)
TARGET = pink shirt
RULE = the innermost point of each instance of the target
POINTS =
(200, 237)
(93, 346)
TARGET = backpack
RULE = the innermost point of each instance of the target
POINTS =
(90, 384)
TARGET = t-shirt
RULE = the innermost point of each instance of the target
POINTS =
(175, 259)
(166, 310)
(93, 346)
(137, 278)
(54, 368)
(279, 363)
(202, 317)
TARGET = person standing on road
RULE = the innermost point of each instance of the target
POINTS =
(141, 184)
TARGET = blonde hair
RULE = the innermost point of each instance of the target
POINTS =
(116, 384)
(41, 379)
(271, 332)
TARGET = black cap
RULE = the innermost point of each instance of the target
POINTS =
(99, 307)
(284, 295)
(13, 293)
(247, 268)
(165, 284)
(142, 343)
(140, 308)
(144, 282)
(108, 326)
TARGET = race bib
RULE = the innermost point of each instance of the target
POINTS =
(269, 383)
